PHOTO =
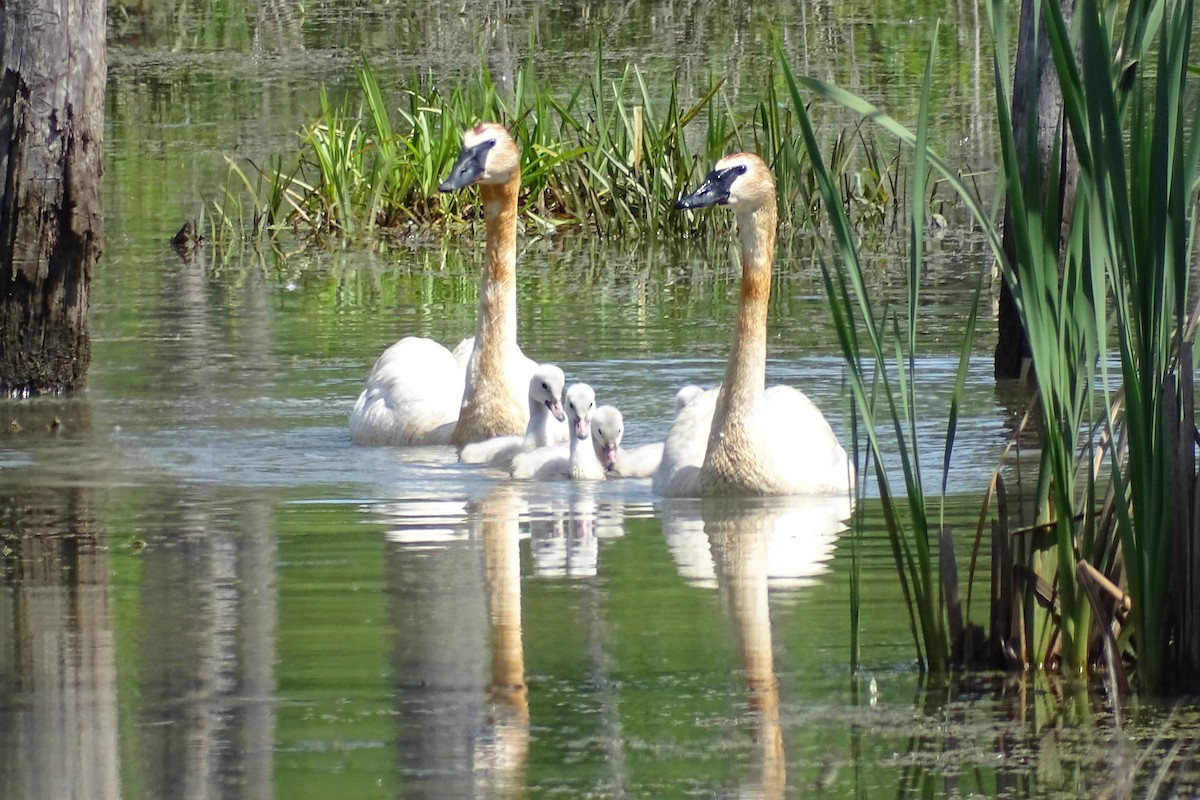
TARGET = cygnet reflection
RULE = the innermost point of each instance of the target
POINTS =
(565, 533)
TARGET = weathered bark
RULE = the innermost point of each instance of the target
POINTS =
(52, 75)
(1035, 92)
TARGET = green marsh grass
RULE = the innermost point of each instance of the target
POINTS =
(611, 158)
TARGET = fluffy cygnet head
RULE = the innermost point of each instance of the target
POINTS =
(545, 391)
(607, 429)
(686, 395)
(579, 400)
(488, 155)
(741, 181)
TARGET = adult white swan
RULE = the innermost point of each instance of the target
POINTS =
(417, 393)
(740, 438)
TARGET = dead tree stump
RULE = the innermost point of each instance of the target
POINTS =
(53, 67)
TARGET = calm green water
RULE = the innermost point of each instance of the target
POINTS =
(208, 592)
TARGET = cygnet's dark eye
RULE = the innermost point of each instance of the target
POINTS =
(544, 386)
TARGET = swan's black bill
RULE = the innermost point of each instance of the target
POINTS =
(714, 191)
(468, 168)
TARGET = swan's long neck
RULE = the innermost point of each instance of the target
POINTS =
(745, 375)
(489, 407)
(496, 323)
(539, 419)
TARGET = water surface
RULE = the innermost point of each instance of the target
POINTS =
(207, 591)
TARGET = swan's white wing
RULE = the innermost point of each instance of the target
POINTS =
(411, 397)
(801, 447)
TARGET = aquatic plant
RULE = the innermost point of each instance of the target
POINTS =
(875, 342)
(1117, 474)
(610, 159)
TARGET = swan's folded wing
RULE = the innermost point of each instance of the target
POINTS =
(802, 446)
(411, 397)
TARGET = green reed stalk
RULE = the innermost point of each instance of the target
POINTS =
(870, 341)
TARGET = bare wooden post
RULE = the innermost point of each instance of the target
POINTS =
(52, 74)
(1036, 94)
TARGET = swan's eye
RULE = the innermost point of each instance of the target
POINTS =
(544, 386)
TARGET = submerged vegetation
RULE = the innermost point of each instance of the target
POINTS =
(609, 158)
(1104, 574)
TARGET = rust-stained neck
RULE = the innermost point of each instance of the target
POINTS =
(509, 713)
(745, 374)
(490, 407)
(496, 322)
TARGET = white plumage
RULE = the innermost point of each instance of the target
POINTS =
(577, 461)
(395, 408)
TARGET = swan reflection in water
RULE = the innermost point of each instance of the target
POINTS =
(458, 666)
(745, 548)
(503, 745)
(458, 655)
(799, 533)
